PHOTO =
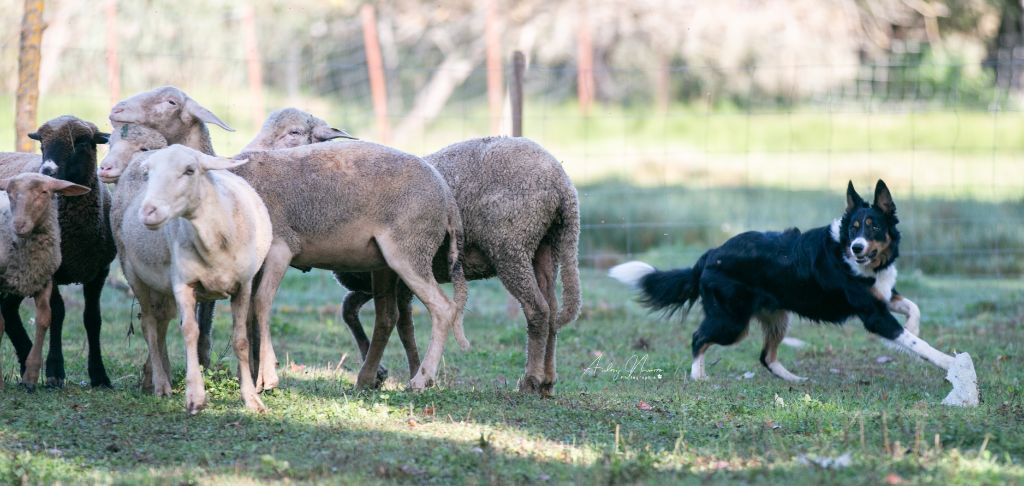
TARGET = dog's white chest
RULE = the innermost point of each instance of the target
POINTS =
(885, 281)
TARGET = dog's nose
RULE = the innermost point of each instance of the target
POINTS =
(857, 248)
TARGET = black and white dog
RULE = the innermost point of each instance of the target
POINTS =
(826, 274)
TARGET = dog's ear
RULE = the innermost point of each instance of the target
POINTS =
(853, 200)
(883, 199)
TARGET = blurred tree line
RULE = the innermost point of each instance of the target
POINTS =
(645, 51)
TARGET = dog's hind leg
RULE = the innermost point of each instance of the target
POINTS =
(727, 312)
(775, 325)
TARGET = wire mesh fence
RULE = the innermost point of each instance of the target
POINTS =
(667, 179)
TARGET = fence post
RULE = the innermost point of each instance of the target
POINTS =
(27, 97)
(584, 62)
(254, 63)
(375, 68)
(495, 95)
(113, 67)
(516, 92)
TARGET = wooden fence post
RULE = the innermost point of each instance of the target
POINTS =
(495, 93)
(375, 68)
(27, 98)
(254, 64)
(584, 62)
(516, 93)
(113, 66)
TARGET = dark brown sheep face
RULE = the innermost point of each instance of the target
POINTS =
(870, 234)
(167, 109)
(31, 196)
(69, 148)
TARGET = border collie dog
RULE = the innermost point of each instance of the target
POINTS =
(827, 274)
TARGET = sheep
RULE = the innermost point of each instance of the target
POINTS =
(30, 251)
(291, 127)
(87, 246)
(521, 217)
(192, 231)
(358, 207)
(180, 119)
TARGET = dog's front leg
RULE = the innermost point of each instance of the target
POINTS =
(904, 306)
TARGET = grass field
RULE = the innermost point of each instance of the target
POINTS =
(650, 425)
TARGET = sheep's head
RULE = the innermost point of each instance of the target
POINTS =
(31, 197)
(126, 142)
(167, 109)
(291, 127)
(173, 182)
(69, 148)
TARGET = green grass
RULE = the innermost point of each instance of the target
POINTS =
(475, 428)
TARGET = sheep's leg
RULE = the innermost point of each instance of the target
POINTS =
(1, 347)
(519, 279)
(204, 314)
(195, 392)
(93, 325)
(274, 266)
(9, 307)
(35, 355)
(354, 300)
(384, 322)
(239, 314)
(55, 357)
(156, 378)
(406, 329)
(544, 270)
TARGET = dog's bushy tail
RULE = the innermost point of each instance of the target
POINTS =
(669, 291)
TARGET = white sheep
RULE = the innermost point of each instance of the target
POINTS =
(191, 231)
(30, 250)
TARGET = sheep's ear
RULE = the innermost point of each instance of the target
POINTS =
(4, 183)
(209, 162)
(853, 200)
(101, 138)
(883, 198)
(206, 116)
(65, 188)
(323, 133)
(35, 136)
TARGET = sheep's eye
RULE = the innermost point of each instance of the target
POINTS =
(189, 171)
(295, 132)
(144, 149)
(172, 102)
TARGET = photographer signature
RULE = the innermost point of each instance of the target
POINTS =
(634, 368)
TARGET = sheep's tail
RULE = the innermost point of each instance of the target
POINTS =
(567, 240)
(455, 270)
(668, 291)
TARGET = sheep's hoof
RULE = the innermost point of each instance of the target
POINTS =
(382, 374)
(546, 389)
(529, 384)
(254, 404)
(29, 387)
(104, 383)
(196, 405)
(420, 382)
(54, 382)
(369, 382)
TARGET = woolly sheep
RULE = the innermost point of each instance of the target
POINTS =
(87, 247)
(520, 214)
(359, 207)
(193, 231)
(180, 119)
(291, 127)
(30, 249)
